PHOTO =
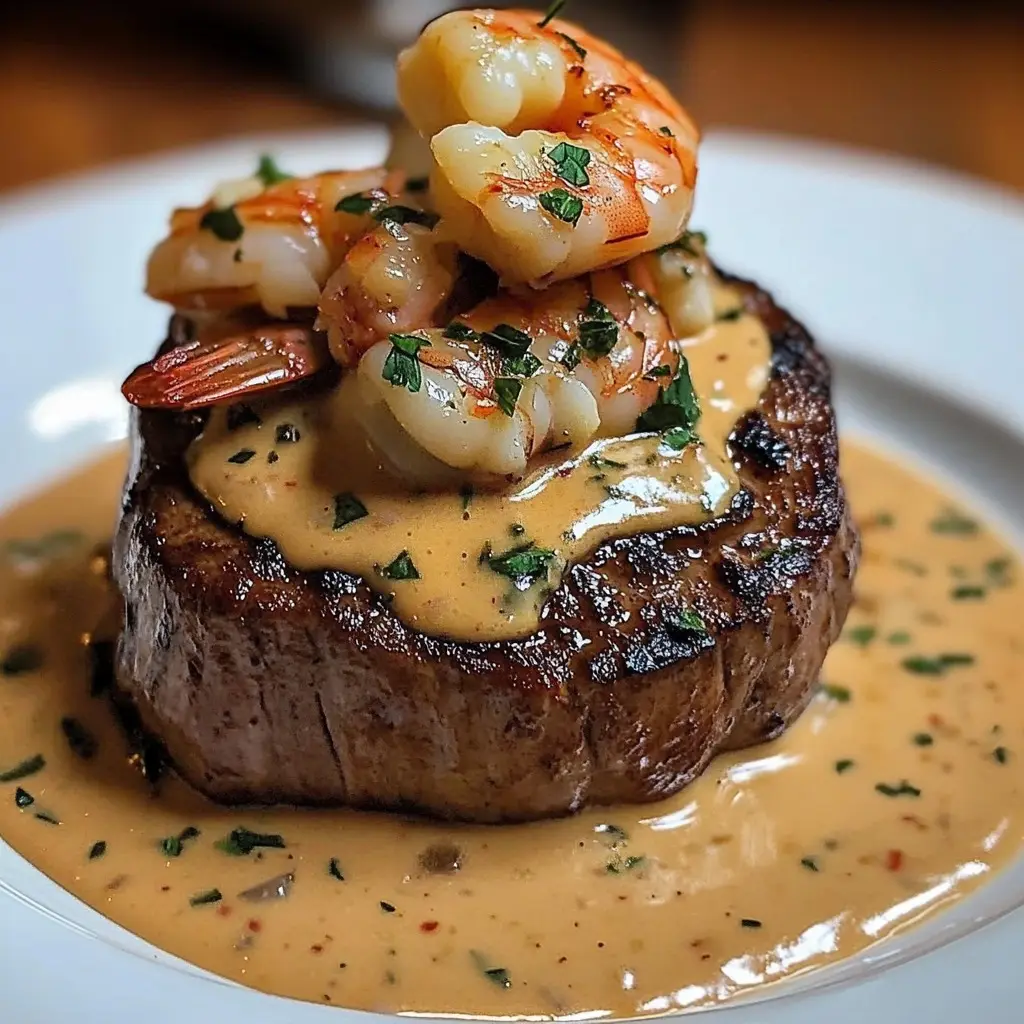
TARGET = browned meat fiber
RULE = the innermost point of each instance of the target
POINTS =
(267, 685)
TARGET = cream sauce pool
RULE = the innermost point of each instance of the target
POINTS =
(897, 793)
(474, 566)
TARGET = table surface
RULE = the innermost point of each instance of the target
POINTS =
(80, 91)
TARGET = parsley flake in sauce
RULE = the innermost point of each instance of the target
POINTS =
(347, 509)
(860, 635)
(97, 850)
(223, 223)
(173, 846)
(508, 340)
(80, 740)
(201, 899)
(937, 665)
(904, 788)
(749, 922)
(458, 331)
(840, 694)
(692, 243)
(334, 869)
(562, 204)
(240, 842)
(523, 565)
(22, 659)
(843, 765)
(388, 908)
(953, 522)
(29, 766)
(923, 739)
(1001, 754)
(401, 367)
(358, 203)
(599, 330)
(287, 433)
(242, 456)
(401, 568)
(23, 798)
(811, 863)
(496, 975)
(399, 214)
(675, 406)
(269, 173)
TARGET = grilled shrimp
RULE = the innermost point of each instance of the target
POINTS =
(270, 245)
(517, 376)
(395, 279)
(554, 154)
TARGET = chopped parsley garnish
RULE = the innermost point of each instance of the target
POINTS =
(686, 625)
(677, 438)
(508, 340)
(29, 766)
(923, 739)
(562, 204)
(388, 908)
(675, 406)
(334, 869)
(287, 433)
(496, 975)
(506, 392)
(203, 898)
(347, 509)
(173, 846)
(666, 131)
(598, 461)
(525, 365)
(272, 457)
(883, 519)
(458, 331)
(240, 415)
(898, 638)
(690, 242)
(1001, 754)
(840, 694)
(860, 635)
(97, 850)
(399, 214)
(811, 863)
(524, 565)
(242, 456)
(965, 593)
(580, 52)
(904, 788)
(599, 330)
(23, 798)
(269, 173)
(613, 833)
(617, 866)
(402, 368)
(937, 665)
(570, 163)
(466, 496)
(358, 203)
(843, 765)
(241, 841)
(952, 521)
(80, 740)
(731, 315)
(47, 818)
(749, 922)
(554, 9)
(223, 223)
(21, 659)
(417, 184)
(658, 371)
(400, 568)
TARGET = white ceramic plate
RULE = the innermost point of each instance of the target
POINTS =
(910, 278)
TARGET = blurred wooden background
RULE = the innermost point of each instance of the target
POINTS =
(85, 84)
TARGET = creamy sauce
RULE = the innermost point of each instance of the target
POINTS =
(301, 493)
(897, 793)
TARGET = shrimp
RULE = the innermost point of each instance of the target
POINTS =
(517, 376)
(395, 279)
(681, 276)
(554, 155)
(270, 245)
(227, 366)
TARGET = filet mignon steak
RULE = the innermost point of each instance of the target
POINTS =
(267, 684)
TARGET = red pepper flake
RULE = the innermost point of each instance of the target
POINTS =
(894, 860)
(936, 721)
(254, 925)
(223, 910)
(428, 926)
(564, 471)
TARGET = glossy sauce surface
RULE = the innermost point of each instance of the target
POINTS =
(895, 794)
(279, 475)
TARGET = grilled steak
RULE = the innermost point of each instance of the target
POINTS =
(267, 684)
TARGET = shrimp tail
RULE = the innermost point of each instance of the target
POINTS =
(200, 374)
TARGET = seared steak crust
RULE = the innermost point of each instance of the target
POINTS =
(267, 684)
